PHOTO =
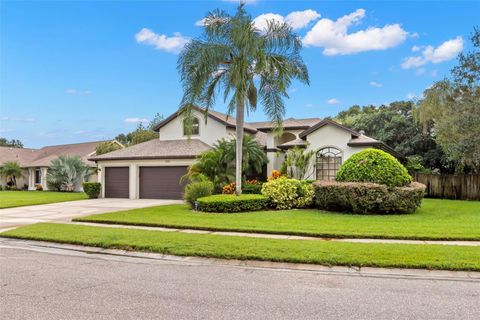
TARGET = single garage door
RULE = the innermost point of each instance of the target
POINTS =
(161, 182)
(116, 182)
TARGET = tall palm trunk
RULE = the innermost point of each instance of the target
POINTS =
(239, 146)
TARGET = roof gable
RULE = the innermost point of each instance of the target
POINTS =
(228, 121)
(325, 122)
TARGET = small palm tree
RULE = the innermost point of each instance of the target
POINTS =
(67, 173)
(245, 64)
(11, 170)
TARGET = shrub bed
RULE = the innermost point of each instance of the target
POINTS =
(92, 189)
(232, 203)
(365, 198)
(285, 193)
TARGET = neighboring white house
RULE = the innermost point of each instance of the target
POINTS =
(35, 162)
(153, 169)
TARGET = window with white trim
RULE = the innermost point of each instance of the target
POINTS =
(194, 129)
(329, 160)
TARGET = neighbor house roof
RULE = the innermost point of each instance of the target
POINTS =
(43, 157)
(290, 123)
(157, 149)
(227, 120)
(20, 155)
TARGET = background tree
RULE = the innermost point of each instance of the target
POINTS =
(140, 134)
(11, 143)
(66, 173)
(395, 125)
(452, 108)
(243, 63)
(11, 170)
(106, 147)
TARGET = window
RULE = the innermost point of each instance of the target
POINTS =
(38, 176)
(194, 129)
(329, 160)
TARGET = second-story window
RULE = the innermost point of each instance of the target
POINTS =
(194, 128)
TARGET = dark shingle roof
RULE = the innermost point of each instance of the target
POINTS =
(157, 149)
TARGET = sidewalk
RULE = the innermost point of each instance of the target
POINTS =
(279, 236)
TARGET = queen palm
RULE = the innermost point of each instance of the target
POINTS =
(244, 64)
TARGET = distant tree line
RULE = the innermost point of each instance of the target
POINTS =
(14, 143)
(440, 132)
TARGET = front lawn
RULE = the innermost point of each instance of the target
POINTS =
(436, 220)
(243, 248)
(10, 199)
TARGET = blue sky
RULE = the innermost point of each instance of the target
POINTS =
(84, 70)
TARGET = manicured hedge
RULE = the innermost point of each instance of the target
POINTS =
(285, 193)
(376, 166)
(232, 203)
(92, 189)
(365, 198)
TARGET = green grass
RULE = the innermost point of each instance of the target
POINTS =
(10, 199)
(435, 220)
(233, 247)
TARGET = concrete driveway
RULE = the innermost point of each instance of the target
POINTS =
(65, 211)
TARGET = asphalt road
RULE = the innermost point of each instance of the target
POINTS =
(46, 285)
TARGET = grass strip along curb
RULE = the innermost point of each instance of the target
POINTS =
(14, 199)
(436, 220)
(232, 247)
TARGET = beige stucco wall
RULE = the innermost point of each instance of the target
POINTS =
(210, 132)
(134, 171)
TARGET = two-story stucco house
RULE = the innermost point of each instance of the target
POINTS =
(153, 169)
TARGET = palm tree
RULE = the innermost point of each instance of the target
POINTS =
(11, 170)
(67, 173)
(218, 164)
(243, 63)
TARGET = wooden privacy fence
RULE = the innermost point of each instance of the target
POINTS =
(449, 186)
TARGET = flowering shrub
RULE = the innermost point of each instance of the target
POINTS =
(285, 193)
(229, 188)
(275, 175)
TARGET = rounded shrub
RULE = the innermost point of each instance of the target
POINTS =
(92, 189)
(285, 193)
(196, 190)
(376, 166)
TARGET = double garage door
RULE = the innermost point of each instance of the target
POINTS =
(154, 182)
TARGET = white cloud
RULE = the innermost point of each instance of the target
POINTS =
(333, 101)
(376, 84)
(162, 42)
(76, 92)
(333, 36)
(309, 105)
(17, 119)
(300, 19)
(297, 19)
(135, 120)
(444, 52)
(260, 22)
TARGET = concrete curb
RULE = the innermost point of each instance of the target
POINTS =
(280, 236)
(143, 257)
